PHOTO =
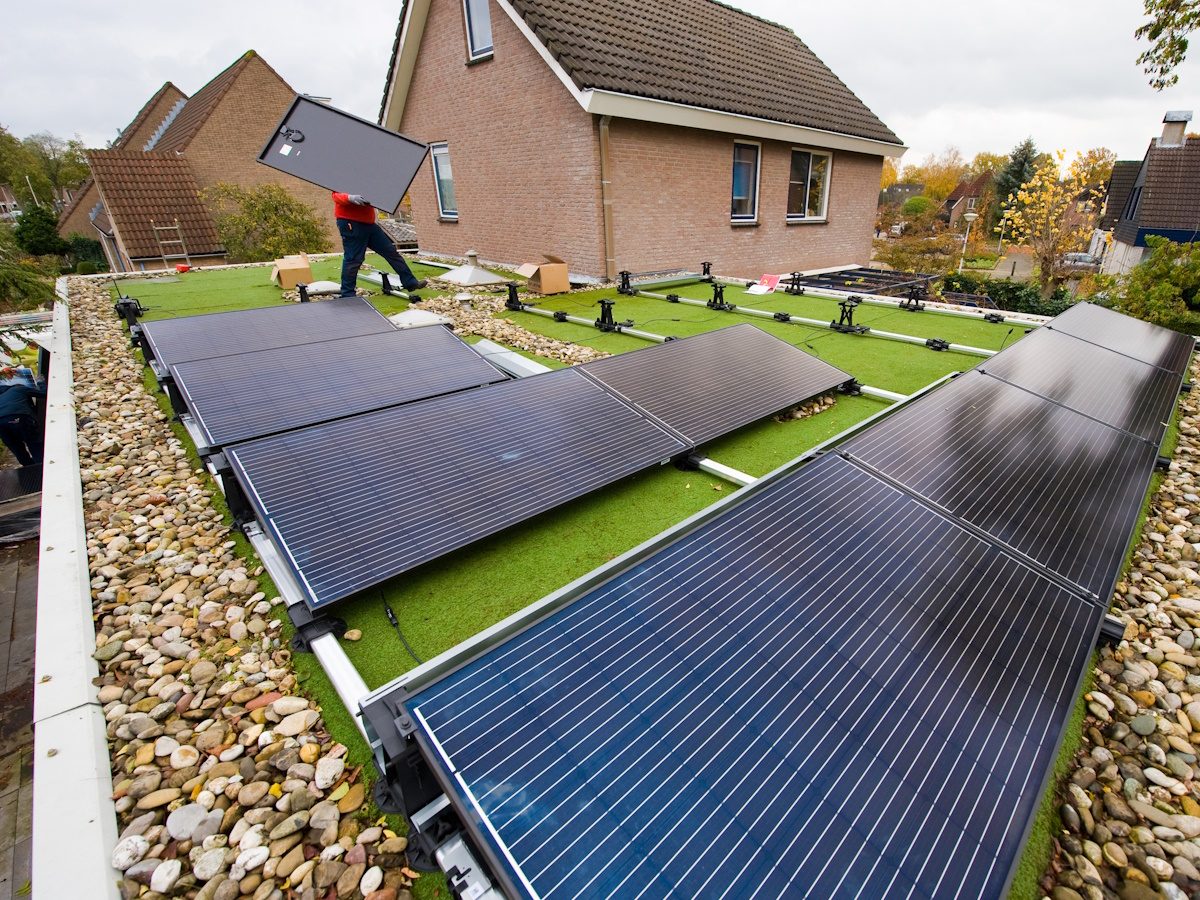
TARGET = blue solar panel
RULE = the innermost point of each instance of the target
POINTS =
(362, 499)
(236, 398)
(828, 691)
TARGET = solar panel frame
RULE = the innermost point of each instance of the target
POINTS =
(251, 395)
(1104, 385)
(1128, 336)
(425, 487)
(175, 341)
(943, 449)
(710, 384)
(727, 532)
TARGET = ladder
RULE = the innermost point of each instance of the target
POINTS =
(164, 243)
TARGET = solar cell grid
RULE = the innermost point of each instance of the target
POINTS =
(711, 384)
(435, 475)
(175, 341)
(1047, 481)
(1114, 389)
(235, 398)
(1140, 340)
(872, 744)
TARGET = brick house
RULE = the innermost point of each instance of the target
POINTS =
(174, 148)
(966, 197)
(1162, 198)
(627, 135)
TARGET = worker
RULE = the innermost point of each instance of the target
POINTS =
(19, 428)
(360, 232)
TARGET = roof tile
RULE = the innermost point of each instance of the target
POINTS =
(1120, 183)
(199, 107)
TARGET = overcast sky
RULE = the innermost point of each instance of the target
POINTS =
(980, 76)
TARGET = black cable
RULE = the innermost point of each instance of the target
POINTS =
(1006, 337)
(396, 624)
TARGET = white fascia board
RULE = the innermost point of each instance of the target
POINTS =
(643, 109)
(544, 53)
(411, 31)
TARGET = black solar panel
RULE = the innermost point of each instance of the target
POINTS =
(711, 384)
(435, 475)
(1115, 389)
(828, 691)
(175, 341)
(1055, 485)
(1153, 344)
(235, 398)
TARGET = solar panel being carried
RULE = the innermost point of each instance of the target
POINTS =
(714, 383)
(235, 398)
(174, 341)
(772, 706)
(360, 500)
(1131, 337)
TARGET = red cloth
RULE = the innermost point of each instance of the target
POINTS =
(344, 209)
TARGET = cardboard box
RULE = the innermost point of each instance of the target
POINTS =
(548, 278)
(291, 271)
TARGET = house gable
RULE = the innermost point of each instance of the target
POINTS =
(149, 118)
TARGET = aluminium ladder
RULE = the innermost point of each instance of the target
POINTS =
(159, 231)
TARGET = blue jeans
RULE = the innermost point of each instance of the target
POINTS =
(357, 238)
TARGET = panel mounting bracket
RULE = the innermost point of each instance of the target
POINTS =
(1112, 630)
(937, 344)
(718, 299)
(850, 388)
(513, 303)
(913, 302)
(845, 324)
(309, 627)
(793, 285)
(626, 287)
(994, 318)
(706, 268)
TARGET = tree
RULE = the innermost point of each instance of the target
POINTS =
(916, 206)
(1041, 221)
(23, 281)
(987, 162)
(1097, 165)
(1171, 21)
(264, 222)
(924, 247)
(61, 162)
(1019, 170)
(940, 174)
(891, 173)
(36, 232)
(20, 169)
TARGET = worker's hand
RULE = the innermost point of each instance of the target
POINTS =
(358, 200)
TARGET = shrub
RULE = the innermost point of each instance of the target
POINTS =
(85, 249)
(24, 281)
(36, 233)
(1013, 296)
(85, 268)
(1163, 289)
(915, 206)
(264, 222)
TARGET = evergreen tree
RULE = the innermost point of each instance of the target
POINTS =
(36, 232)
(1019, 171)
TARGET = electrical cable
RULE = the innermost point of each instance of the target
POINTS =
(387, 608)
(1006, 337)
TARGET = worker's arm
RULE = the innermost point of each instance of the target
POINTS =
(356, 199)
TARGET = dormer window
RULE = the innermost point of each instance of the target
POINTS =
(479, 29)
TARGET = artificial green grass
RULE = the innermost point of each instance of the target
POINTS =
(225, 290)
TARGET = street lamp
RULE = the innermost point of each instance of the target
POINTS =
(970, 217)
(1003, 225)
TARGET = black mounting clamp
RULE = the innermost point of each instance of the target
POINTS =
(672, 298)
(913, 303)
(1186, 387)
(387, 284)
(850, 388)
(310, 627)
(937, 344)
(1112, 630)
(782, 317)
(793, 285)
(513, 303)
(845, 324)
(706, 268)
(130, 309)
(625, 286)
(303, 289)
(606, 322)
(1163, 464)
(718, 299)
(994, 318)
(560, 316)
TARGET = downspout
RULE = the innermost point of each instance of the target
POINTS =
(610, 253)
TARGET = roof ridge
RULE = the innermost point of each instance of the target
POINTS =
(145, 111)
(207, 104)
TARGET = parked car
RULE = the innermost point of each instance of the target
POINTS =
(1080, 263)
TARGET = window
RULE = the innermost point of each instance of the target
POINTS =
(444, 180)
(745, 183)
(809, 188)
(479, 28)
(970, 203)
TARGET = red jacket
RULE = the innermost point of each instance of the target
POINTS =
(344, 209)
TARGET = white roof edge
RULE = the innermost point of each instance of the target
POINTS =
(543, 52)
(406, 61)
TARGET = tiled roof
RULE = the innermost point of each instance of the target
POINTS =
(968, 189)
(699, 53)
(140, 187)
(1171, 194)
(140, 119)
(387, 86)
(199, 107)
(1120, 183)
(76, 200)
(403, 234)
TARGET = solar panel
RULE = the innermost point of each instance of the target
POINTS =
(235, 398)
(1057, 486)
(175, 341)
(435, 475)
(1152, 344)
(1115, 389)
(713, 383)
(774, 705)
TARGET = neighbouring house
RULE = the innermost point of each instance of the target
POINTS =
(10, 207)
(1163, 200)
(173, 149)
(898, 193)
(966, 197)
(1116, 193)
(638, 135)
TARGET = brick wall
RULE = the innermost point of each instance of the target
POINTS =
(525, 157)
(227, 145)
(671, 196)
(136, 139)
(79, 221)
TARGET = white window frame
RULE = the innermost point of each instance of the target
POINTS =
(794, 219)
(437, 182)
(752, 219)
(970, 203)
(475, 54)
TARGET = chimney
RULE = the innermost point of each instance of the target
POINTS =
(1175, 127)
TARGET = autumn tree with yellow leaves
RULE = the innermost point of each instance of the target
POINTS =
(1053, 216)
